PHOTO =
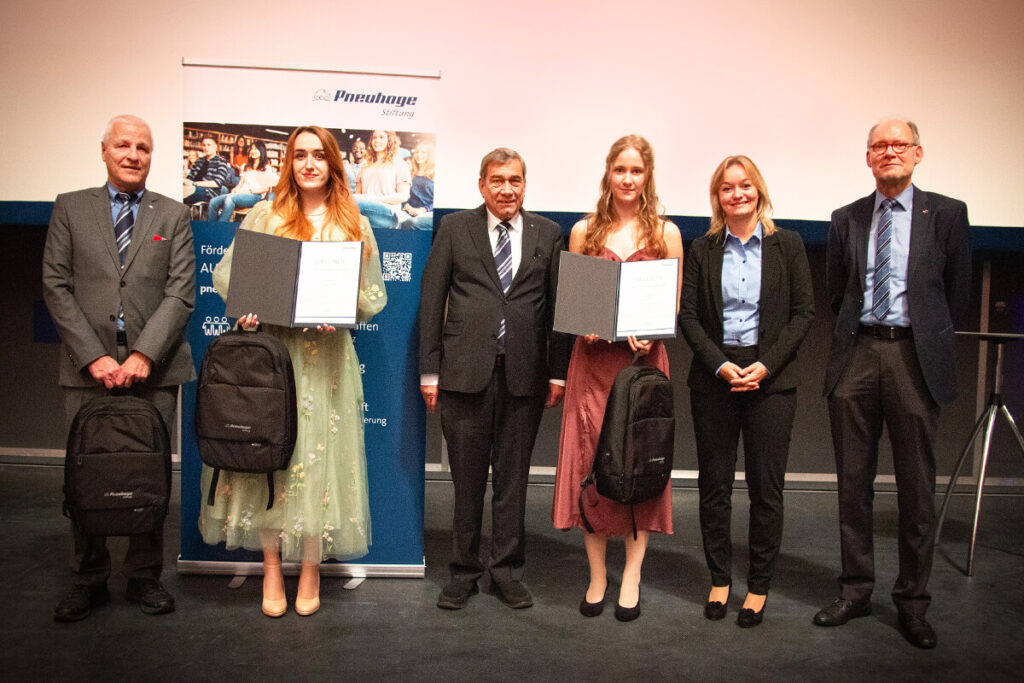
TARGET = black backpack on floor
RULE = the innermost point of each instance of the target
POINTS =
(633, 462)
(245, 406)
(117, 470)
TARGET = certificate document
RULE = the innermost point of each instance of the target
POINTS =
(327, 285)
(294, 284)
(616, 300)
(647, 299)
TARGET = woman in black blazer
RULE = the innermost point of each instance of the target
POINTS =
(746, 305)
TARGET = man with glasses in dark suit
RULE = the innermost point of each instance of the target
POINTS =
(898, 279)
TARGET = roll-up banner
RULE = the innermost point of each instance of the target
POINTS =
(236, 124)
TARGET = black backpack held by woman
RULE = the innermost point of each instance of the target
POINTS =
(633, 462)
(246, 417)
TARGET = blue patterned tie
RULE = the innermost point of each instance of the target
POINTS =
(880, 303)
(123, 225)
(503, 260)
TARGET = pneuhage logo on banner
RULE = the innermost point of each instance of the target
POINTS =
(394, 105)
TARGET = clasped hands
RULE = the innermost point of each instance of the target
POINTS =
(744, 379)
(111, 374)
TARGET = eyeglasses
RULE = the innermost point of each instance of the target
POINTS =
(880, 148)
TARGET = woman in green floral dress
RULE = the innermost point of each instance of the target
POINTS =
(321, 508)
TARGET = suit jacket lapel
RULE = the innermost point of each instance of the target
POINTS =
(860, 229)
(143, 228)
(771, 268)
(919, 221)
(482, 241)
(529, 245)
(104, 223)
(716, 253)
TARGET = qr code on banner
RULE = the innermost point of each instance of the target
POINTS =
(397, 266)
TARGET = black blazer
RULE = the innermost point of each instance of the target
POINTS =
(461, 345)
(786, 309)
(938, 284)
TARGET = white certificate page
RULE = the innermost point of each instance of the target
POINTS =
(647, 299)
(327, 286)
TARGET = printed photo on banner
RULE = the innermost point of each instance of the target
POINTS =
(227, 168)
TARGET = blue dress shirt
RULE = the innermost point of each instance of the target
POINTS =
(741, 288)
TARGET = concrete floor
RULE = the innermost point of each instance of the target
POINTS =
(390, 629)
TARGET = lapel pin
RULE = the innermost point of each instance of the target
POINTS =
(924, 211)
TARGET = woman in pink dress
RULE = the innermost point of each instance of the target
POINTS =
(627, 226)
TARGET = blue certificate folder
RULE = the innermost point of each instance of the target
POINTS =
(265, 280)
(595, 298)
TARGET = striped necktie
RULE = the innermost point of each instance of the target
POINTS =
(503, 260)
(123, 225)
(880, 303)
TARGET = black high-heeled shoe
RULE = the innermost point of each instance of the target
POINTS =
(591, 609)
(748, 618)
(628, 613)
(714, 610)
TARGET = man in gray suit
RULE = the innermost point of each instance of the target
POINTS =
(491, 363)
(119, 281)
(898, 279)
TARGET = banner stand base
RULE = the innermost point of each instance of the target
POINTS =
(356, 572)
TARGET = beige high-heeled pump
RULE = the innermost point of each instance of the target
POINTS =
(275, 607)
(305, 606)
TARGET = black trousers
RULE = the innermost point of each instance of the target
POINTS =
(883, 384)
(765, 421)
(490, 429)
(90, 559)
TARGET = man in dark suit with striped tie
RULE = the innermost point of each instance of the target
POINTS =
(491, 363)
(898, 279)
(119, 281)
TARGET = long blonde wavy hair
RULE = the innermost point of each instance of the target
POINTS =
(649, 214)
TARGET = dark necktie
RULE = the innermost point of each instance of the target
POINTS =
(123, 225)
(503, 260)
(880, 303)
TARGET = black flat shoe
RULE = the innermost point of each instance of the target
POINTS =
(151, 596)
(79, 601)
(628, 613)
(917, 631)
(714, 610)
(591, 609)
(841, 611)
(748, 618)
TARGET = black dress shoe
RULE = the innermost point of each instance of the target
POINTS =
(917, 631)
(841, 611)
(152, 597)
(513, 593)
(714, 610)
(748, 618)
(628, 613)
(591, 609)
(456, 594)
(79, 601)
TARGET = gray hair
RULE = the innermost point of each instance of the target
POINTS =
(124, 118)
(910, 124)
(500, 155)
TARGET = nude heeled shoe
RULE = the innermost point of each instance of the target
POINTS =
(307, 606)
(274, 607)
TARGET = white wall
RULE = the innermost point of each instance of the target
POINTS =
(794, 84)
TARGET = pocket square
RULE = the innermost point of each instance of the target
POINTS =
(158, 238)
